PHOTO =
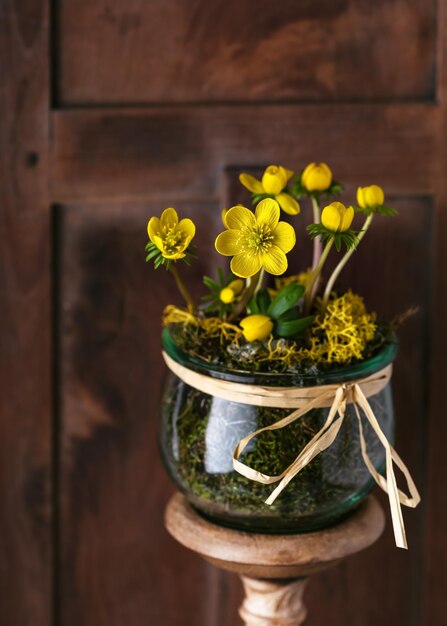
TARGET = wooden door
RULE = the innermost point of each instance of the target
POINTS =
(114, 111)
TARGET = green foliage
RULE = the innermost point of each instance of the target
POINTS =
(212, 299)
(384, 210)
(348, 237)
(155, 255)
(283, 310)
(300, 191)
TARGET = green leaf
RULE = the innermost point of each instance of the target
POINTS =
(253, 306)
(152, 254)
(387, 211)
(221, 276)
(285, 300)
(210, 283)
(293, 327)
(263, 301)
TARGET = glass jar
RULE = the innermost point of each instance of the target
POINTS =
(199, 433)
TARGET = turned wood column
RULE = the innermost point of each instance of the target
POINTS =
(274, 569)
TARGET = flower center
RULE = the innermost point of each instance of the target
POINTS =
(258, 240)
(173, 240)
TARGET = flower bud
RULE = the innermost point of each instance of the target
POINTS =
(370, 197)
(256, 327)
(274, 179)
(316, 177)
(337, 217)
(228, 294)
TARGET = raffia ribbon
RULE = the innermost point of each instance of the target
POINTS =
(304, 399)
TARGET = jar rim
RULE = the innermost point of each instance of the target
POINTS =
(384, 357)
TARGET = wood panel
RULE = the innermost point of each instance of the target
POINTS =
(236, 50)
(118, 564)
(218, 87)
(25, 357)
(180, 152)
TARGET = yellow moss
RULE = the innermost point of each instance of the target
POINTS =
(342, 332)
(211, 327)
(301, 278)
(174, 315)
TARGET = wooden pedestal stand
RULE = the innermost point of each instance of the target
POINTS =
(274, 569)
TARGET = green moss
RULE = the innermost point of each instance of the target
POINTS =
(330, 478)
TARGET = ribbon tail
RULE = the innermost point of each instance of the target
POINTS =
(388, 484)
(317, 444)
(322, 440)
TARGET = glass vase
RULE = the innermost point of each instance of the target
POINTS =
(199, 432)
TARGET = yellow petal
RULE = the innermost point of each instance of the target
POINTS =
(305, 173)
(251, 183)
(227, 243)
(153, 227)
(274, 261)
(274, 179)
(169, 218)
(267, 212)
(239, 218)
(245, 265)
(288, 204)
(286, 173)
(375, 195)
(188, 227)
(256, 327)
(360, 198)
(284, 236)
(158, 241)
(347, 217)
(175, 255)
(224, 218)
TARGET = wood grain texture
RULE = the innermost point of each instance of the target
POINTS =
(236, 50)
(117, 562)
(25, 357)
(274, 568)
(112, 167)
(181, 152)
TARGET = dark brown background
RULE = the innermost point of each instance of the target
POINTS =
(111, 111)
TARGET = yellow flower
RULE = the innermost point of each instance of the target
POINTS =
(274, 181)
(370, 197)
(228, 294)
(337, 217)
(256, 240)
(169, 235)
(256, 327)
(316, 177)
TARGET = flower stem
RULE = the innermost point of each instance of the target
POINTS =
(308, 295)
(335, 274)
(318, 246)
(246, 295)
(182, 287)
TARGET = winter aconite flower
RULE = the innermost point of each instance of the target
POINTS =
(256, 240)
(169, 235)
(256, 327)
(316, 177)
(273, 183)
(229, 293)
(370, 197)
(336, 217)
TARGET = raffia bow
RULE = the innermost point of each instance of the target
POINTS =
(334, 396)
